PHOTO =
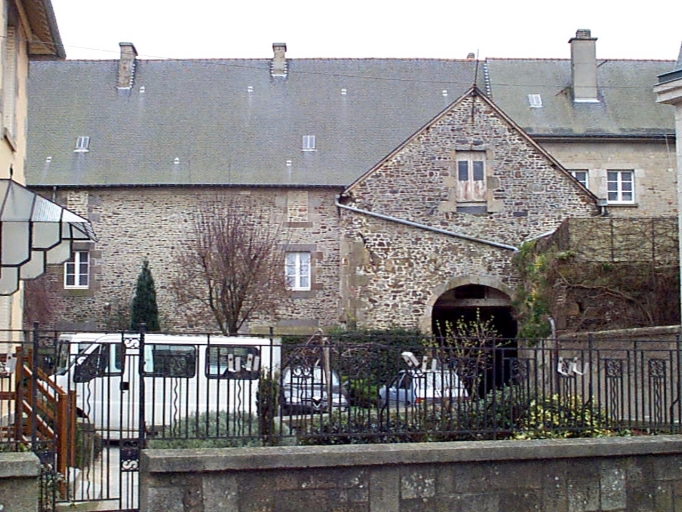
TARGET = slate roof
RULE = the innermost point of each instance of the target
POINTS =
(230, 122)
(627, 106)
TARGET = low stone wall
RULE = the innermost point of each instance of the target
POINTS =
(19, 473)
(615, 474)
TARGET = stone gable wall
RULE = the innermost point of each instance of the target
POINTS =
(392, 273)
(132, 224)
(527, 195)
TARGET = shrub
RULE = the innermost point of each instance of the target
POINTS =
(218, 430)
(557, 416)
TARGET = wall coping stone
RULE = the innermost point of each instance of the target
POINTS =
(231, 459)
(20, 465)
(622, 334)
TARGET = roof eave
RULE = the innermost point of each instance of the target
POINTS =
(45, 42)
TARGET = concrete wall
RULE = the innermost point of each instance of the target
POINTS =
(616, 474)
(19, 473)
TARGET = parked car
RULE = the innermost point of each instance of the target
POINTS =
(304, 390)
(413, 387)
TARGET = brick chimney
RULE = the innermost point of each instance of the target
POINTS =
(584, 67)
(126, 66)
(278, 66)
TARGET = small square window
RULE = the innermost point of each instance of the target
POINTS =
(308, 143)
(297, 270)
(580, 177)
(535, 101)
(77, 270)
(82, 144)
(471, 182)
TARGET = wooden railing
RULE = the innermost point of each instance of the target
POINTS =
(42, 413)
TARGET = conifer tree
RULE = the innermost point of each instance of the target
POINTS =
(144, 308)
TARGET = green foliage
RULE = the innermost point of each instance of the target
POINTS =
(144, 308)
(267, 404)
(557, 417)
(217, 430)
(532, 297)
(511, 412)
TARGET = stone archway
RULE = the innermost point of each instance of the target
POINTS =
(469, 300)
(462, 296)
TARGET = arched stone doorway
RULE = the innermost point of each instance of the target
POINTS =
(463, 302)
(467, 301)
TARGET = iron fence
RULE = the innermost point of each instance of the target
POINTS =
(88, 403)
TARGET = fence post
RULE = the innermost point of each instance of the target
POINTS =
(679, 387)
(34, 388)
(141, 418)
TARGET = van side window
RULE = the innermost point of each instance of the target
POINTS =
(230, 362)
(105, 360)
(170, 361)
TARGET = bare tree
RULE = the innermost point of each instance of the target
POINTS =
(233, 262)
(39, 303)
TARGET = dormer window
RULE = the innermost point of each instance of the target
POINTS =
(308, 143)
(82, 144)
(535, 101)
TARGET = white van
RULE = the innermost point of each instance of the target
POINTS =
(183, 377)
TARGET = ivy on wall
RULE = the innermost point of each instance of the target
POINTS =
(583, 295)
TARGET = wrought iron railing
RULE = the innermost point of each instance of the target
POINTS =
(162, 391)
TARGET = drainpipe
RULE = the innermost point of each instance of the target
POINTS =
(427, 228)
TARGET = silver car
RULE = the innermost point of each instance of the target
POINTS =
(414, 387)
(303, 390)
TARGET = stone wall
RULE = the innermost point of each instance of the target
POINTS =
(393, 273)
(616, 474)
(652, 162)
(153, 222)
(19, 473)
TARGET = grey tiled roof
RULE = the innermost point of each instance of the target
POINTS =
(229, 122)
(201, 113)
(627, 105)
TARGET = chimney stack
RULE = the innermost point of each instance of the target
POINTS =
(584, 67)
(126, 66)
(278, 66)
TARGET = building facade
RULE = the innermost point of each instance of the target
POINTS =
(28, 31)
(404, 190)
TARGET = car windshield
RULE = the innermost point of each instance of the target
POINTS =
(309, 375)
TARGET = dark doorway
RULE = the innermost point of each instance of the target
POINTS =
(469, 303)
(464, 302)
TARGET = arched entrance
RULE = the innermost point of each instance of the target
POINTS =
(465, 302)
(468, 303)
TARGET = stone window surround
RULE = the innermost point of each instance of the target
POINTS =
(451, 205)
(76, 261)
(619, 185)
(315, 256)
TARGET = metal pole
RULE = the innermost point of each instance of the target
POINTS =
(34, 388)
(140, 362)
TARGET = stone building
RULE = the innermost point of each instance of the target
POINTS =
(135, 145)
(429, 232)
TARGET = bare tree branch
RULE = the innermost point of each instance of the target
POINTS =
(233, 262)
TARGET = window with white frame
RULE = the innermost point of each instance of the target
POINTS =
(77, 270)
(297, 270)
(470, 172)
(308, 143)
(620, 186)
(580, 176)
